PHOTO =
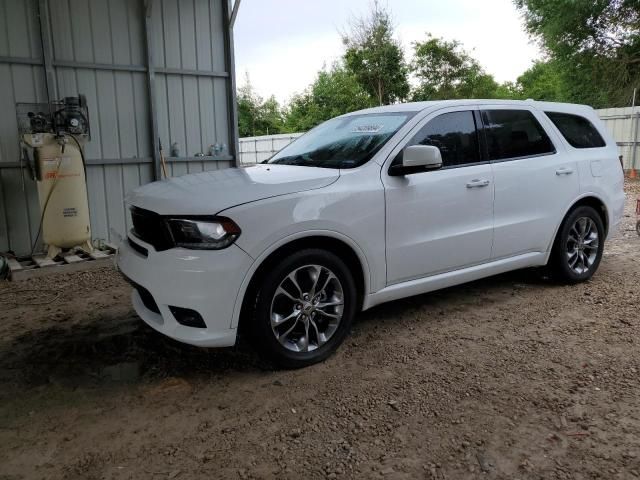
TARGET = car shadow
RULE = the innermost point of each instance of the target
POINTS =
(116, 349)
(113, 349)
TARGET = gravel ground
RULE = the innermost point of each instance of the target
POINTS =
(509, 377)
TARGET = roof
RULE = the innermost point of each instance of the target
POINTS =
(420, 106)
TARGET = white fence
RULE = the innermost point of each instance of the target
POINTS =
(623, 123)
(256, 149)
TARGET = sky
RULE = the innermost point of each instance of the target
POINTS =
(282, 44)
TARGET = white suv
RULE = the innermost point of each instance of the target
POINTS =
(366, 208)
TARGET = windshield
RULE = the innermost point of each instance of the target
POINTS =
(344, 142)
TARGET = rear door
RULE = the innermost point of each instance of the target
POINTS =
(535, 179)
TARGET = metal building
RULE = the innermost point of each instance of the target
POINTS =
(150, 69)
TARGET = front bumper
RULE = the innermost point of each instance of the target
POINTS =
(206, 281)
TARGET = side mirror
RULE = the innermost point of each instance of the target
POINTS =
(416, 159)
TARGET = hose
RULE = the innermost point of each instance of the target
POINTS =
(44, 209)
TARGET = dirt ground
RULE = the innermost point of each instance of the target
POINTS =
(509, 377)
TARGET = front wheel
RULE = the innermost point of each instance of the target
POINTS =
(578, 247)
(304, 309)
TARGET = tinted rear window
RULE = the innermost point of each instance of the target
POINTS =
(513, 134)
(577, 130)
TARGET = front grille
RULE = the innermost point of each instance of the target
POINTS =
(151, 228)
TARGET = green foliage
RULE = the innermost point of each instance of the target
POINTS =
(376, 58)
(543, 81)
(334, 92)
(594, 46)
(257, 116)
(444, 70)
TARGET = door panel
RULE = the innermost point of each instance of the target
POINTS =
(531, 196)
(438, 221)
(531, 193)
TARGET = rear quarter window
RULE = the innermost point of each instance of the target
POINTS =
(577, 130)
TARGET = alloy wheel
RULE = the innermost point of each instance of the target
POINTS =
(582, 245)
(307, 308)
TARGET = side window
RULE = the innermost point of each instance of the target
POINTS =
(513, 134)
(577, 130)
(454, 134)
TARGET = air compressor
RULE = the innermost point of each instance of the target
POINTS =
(53, 136)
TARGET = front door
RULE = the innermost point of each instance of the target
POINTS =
(442, 220)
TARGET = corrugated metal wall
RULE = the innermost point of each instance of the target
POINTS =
(99, 50)
(256, 149)
(624, 125)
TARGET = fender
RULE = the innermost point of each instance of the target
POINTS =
(564, 215)
(290, 238)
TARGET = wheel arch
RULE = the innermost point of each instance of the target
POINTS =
(333, 242)
(589, 200)
(593, 201)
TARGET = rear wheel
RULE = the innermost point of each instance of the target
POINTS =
(578, 247)
(304, 309)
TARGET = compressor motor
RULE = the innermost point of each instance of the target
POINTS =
(52, 136)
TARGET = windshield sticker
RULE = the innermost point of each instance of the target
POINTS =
(366, 129)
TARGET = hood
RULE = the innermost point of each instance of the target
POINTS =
(208, 193)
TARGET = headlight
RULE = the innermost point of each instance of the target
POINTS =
(203, 234)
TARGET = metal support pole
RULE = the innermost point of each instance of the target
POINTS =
(234, 13)
(50, 82)
(234, 144)
(635, 130)
(151, 82)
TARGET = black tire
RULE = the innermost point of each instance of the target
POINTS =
(263, 335)
(560, 261)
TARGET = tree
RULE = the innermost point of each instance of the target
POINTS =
(444, 70)
(257, 116)
(334, 92)
(543, 81)
(375, 57)
(594, 43)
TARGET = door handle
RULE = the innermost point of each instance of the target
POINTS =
(478, 182)
(564, 171)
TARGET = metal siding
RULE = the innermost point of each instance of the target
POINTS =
(193, 144)
(4, 225)
(207, 113)
(88, 36)
(96, 187)
(17, 211)
(622, 123)
(171, 33)
(217, 37)
(203, 32)
(220, 112)
(126, 120)
(17, 28)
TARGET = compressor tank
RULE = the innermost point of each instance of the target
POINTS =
(62, 191)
